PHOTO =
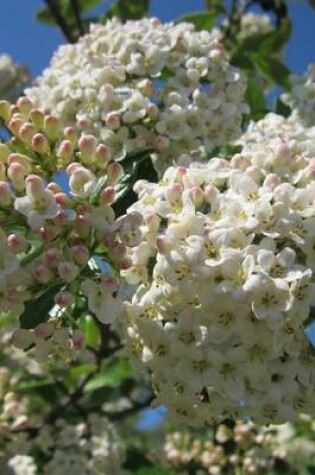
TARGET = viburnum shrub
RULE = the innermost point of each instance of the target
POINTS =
(215, 244)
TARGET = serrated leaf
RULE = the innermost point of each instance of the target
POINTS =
(37, 311)
(256, 100)
(110, 376)
(272, 69)
(201, 20)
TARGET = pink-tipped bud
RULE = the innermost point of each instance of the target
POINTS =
(146, 87)
(51, 127)
(5, 194)
(87, 146)
(37, 117)
(4, 153)
(15, 124)
(210, 193)
(109, 240)
(40, 143)
(78, 339)
(197, 196)
(67, 271)
(70, 133)
(81, 226)
(63, 200)
(81, 255)
(17, 243)
(114, 172)
(238, 161)
(25, 105)
(52, 257)
(272, 181)
(118, 252)
(42, 274)
(5, 110)
(26, 133)
(64, 299)
(22, 338)
(65, 150)
(44, 330)
(163, 244)
(53, 187)
(173, 193)
(107, 195)
(34, 184)
(125, 263)
(110, 283)
(112, 120)
(102, 155)
(84, 123)
(16, 172)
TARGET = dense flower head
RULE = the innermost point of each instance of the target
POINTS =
(301, 98)
(144, 85)
(219, 320)
(59, 237)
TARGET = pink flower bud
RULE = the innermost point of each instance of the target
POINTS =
(110, 283)
(70, 133)
(87, 146)
(238, 161)
(84, 123)
(40, 143)
(118, 252)
(109, 240)
(173, 192)
(64, 299)
(271, 181)
(107, 195)
(34, 184)
(26, 133)
(254, 173)
(163, 244)
(197, 196)
(52, 257)
(125, 263)
(67, 271)
(114, 172)
(15, 124)
(78, 339)
(146, 87)
(81, 255)
(22, 338)
(63, 200)
(112, 120)
(42, 274)
(210, 192)
(16, 173)
(81, 226)
(153, 111)
(44, 330)
(65, 150)
(17, 243)
(102, 155)
(51, 127)
(25, 105)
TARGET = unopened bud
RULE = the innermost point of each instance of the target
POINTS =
(107, 195)
(26, 133)
(15, 124)
(112, 120)
(44, 330)
(67, 271)
(5, 110)
(5, 194)
(17, 243)
(25, 105)
(37, 117)
(87, 146)
(114, 172)
(102, 155)
(40, 143)
(65, 150)
(42, 274)
(64, 299)
(70, 133)
(81, 255)
(51, 127)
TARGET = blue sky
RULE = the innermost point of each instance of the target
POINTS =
(33, 44)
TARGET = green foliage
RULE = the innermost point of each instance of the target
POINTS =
(91, 330)
(272, 69)
(256, 100)
(128, 9)
(111, 376)
(201, 20)
(37, 311)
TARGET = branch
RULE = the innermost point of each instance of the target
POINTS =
(64, 27)
(77, 15)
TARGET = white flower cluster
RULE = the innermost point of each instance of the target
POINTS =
(12, 78)
(253, 24)
(219, 322)
(143, 85)
(52, 235)
(301, 98)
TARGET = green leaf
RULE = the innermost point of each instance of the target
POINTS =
(267, 43)
(85, 5)
(201, 20)
(82, 369)
(91, 330)
(272, 69)
(242, 61)
(129, 9)
(44, 16)
(157, 470)
(37, 311)
(215, 6)
(256, 100)
(281, 108)
(110, 377)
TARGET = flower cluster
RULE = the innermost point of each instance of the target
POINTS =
(143, 85)
(301, 98)
(218, 322)
(59, 238)
(13, 77)
(245, 447)
(253, 24)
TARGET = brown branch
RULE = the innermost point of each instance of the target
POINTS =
(77, 16)
(64, 27)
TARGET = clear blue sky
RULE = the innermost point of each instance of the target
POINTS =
(33, 44)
